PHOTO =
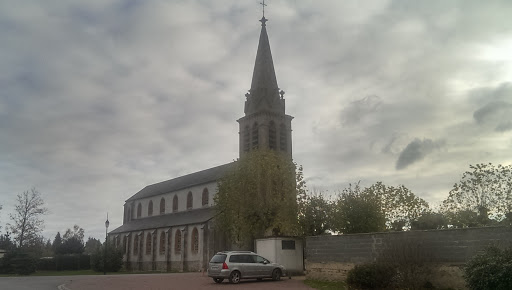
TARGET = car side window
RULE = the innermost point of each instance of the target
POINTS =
(260, 259)
(235, 259)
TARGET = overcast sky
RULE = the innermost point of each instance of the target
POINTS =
(101, 98)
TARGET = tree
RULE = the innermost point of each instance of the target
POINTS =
(73, 241)
(430, 221)
(57, 243)
(0, 210)
(486, 191)
(376, 208)
(358, 211)
(91, 245)
(5, 242)
(27, 222)
(48, 249)
(399, 204)
(114, 260)
(257, 198)
(314, 214)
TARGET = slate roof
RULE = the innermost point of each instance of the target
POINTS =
(185, 181)
(167, 220)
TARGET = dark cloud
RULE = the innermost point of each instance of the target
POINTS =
(416, 151)
(495, 107)
(498, 113)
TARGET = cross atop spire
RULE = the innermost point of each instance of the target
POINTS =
(263, 5)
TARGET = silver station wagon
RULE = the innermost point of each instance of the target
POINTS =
(237, 265)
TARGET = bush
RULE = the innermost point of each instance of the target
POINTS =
(114, 259)
(413, 263)
(372, 276)
(19, 261)
(72, 262)
(491, 269)
(46, 264)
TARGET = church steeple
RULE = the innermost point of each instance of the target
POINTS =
(264, 94)
(265, 124)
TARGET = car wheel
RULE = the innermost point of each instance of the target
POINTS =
(276, 275)
(218, 280)
(234, 277)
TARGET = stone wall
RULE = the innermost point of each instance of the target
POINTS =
(331, 257)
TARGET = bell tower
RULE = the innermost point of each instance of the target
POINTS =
(265, 124)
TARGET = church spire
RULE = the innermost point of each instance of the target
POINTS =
(264, 75)
(264, 94)
(265, 124)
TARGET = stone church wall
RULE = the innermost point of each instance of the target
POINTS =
(137, 258)
(197, 194)
(331, 257)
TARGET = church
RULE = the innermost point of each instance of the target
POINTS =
(168, 226)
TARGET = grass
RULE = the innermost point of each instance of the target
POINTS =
(326, 285)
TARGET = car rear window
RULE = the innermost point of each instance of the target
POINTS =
(219, 258)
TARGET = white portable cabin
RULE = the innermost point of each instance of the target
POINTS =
(287, 251)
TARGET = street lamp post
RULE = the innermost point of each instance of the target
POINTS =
(106, 246)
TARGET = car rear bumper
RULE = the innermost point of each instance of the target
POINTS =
(219, 274)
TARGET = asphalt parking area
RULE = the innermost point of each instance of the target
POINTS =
(172, 281)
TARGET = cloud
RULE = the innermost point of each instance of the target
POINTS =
(497, 114)
(495, 109)
(357, 110)
(416, 151)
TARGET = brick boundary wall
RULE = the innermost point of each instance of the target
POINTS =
(331, 257)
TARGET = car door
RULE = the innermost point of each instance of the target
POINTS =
(251, 266)
(264, 267)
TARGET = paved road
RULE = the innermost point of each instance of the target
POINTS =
(31, 283)
(142, 281)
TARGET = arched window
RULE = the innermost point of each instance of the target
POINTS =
(136, 245)
(272, 141)
(129, 214)
(247, 139)
(190, 200)
(177, 242)
(195, 241)
(162, 243)
(132, 211)
(282, 138)
(206, 197)
(162, 206)
(148, 244)
(150, 208)
(175, 203)
(125, 244)
(255, 140)
(139, 210)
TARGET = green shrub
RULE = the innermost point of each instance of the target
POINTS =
(371, 276)
(114, 259)
(491, 269)
(412, 262)
(19, 261)
(46, 264)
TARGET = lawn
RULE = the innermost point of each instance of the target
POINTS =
(326, 285)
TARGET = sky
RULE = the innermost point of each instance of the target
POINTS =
(100, 98)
